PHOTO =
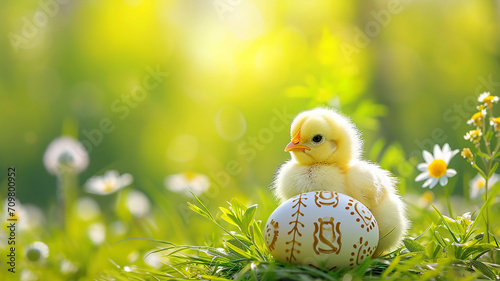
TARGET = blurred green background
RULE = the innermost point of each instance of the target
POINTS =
(400, 69)
(228, 77)
(161, 87)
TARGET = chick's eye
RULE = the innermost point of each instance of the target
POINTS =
(317, 138)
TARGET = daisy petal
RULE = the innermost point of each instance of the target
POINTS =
(443, 181)
(473, 193)
(422, 167)
(454, 152)
(126, 179)
(427, 183)
(438, 154)
(434, 182)
(446, 148)
(427, 156)
(450, 173)
(422, 176)
(447, 158)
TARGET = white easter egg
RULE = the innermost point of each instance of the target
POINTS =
(323, 229)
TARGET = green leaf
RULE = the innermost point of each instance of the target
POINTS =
(496, 155)
(237, 250)
(249, 216)
(484, 155)
(493, 170)
(484, 269)
(433, 250)
(230, 219)
(479, 170)
(454, 225)
(205, 209)
(476, 249)
(199, 211)
(224, 210)
(445, 223)
(413, 246)
(489, 135)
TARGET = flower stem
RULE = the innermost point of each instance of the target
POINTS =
(61, 204)
(447, 197)
(65, 197)
(487, 211)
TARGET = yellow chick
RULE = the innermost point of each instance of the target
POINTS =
(326, 155)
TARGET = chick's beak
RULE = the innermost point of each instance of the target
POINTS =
(294, 144)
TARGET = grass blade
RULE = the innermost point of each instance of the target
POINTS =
(445, 223)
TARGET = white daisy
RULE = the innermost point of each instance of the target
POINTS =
(488, 99)
(65, 154)
(36, 252)
(495, 122)
(473, 135)
(184, 182)
(477, 185)
(435, 169)
(477, 118)
(109, 183)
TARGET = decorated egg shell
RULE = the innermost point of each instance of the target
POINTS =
(323, 229)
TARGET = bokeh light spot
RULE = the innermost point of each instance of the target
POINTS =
(182, 148)
(230, 123)
(246, 20)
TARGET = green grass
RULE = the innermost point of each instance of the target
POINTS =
(448, 249)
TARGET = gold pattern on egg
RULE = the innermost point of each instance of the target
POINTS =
(295, 228)
(360, 252)
(328, 198)
(327, 236)
(272, 230)
(362, 214)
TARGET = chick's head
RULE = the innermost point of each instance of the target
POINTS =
(322, 135)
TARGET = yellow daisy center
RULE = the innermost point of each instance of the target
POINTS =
(437, 168)
(466, 153)
(480, 184)
(108, 187)
(488, 98)
(189, 175)
(473, 135)
(428, 196)
(477, 115)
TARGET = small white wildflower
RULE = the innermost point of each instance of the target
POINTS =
(109, 183)
(184, 182)
(65, 154)
(36, 252)
(435, 169)
(477, 185)
(478, 118)
(488, 99)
